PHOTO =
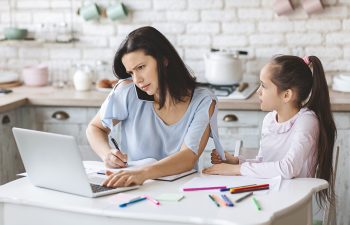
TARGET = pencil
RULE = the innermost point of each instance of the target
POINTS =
(216, 203)
(256, 203)
(244, 197)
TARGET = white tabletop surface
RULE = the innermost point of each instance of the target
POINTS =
(196, 207)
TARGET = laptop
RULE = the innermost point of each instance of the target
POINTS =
(53, 161)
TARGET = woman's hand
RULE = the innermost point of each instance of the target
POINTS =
(125, 178)
(216, 158)
(115, 159)
(223, 169)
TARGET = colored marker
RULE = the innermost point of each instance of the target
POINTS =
(251, 188)
(152, 200)
(132, 201)
(216, 203)
(219, 200)
(256, 203)
(227, 200)
(227, 189)
(248, 190)
(203, 188)
(244, 197)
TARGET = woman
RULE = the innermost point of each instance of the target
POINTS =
(163, 114)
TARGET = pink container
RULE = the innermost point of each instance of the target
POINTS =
(35, 75)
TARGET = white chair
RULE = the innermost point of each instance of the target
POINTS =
(329, 214)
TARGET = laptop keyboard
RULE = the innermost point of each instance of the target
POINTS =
(98, 188)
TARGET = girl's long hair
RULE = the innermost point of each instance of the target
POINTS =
(307, 77)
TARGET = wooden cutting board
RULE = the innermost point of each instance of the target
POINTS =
(11, 84)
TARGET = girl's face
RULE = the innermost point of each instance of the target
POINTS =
(269, 97)
(143, 70)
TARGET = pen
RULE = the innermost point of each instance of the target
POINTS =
(102, 172)
(227, 189)
(227, 200)
(256, 203)
(216, 203)
(244, 197)
(116, 146)
(152, 200)
(132, 201)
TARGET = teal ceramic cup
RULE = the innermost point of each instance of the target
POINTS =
(117, 11)
(90, 12)
(13, 33)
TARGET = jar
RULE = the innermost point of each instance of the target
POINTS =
(82, 78)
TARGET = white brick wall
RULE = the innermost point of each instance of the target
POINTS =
(193, 26)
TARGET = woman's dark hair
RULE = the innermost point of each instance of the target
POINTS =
(173, 75)
(292, 72)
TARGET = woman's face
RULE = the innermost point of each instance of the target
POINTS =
(143, 70)
(269, 97)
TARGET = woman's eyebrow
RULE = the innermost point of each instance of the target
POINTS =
(135, 67)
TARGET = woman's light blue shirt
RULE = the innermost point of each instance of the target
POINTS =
(145, 135)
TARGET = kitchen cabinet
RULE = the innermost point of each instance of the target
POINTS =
(68, 121)
(10, 160)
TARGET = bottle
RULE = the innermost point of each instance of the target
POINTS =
(82, 78)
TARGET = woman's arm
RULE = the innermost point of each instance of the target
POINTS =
(179, 162)
(97, 136)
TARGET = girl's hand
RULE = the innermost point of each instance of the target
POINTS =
(115, 159)
(124, 178)
(216, 159)
(223, 169)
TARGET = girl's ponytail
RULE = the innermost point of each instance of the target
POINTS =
(319, 102)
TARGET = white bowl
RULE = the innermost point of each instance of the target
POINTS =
(341, 83)
(8, 76)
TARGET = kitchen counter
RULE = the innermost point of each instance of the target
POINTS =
(50, 96)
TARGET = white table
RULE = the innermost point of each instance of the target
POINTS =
(22, 203)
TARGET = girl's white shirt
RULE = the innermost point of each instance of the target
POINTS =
(288, 149)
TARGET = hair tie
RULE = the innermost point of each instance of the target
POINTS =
(306, 60)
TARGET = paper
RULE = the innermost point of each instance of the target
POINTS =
(232, 181)
(97, 166)
(177, 176)
(172, 197)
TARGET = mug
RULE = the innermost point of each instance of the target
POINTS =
(90, 12)
(117, 11)
(282, 7)
(312, 6)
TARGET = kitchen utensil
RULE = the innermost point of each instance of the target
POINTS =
(117, 11)
(11, 84)
(282, 7)
(8, 76)
(35, 75)
(341, 83)
(14, 33)
(223, 67)
(82, 78)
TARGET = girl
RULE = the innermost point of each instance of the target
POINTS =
(163, 114)
(297, 137)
